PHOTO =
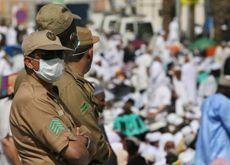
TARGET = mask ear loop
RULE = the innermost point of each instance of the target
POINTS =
(75, 54)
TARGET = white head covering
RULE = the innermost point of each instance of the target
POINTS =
(186, 130)
(174, 119)
(153, 137)
(157, 125)
(149, 153)
(188, 133)
(187, 157)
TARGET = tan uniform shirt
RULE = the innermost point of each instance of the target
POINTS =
(77, 94)
(21, 75)
(40, 127)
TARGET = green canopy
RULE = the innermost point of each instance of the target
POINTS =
(202, 43)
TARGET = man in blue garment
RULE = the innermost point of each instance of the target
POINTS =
(213, 145)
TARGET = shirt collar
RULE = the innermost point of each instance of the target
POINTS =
(36, 82)
(73, 71)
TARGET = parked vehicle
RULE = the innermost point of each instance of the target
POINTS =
(138, 25)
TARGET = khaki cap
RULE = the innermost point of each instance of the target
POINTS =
(55, 17)
(85, 36)
(44, 40)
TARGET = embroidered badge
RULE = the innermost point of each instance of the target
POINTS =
(51, 36)
(84, 107)
(56, 126)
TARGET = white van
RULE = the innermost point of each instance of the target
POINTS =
(141, 27)
(138, 25)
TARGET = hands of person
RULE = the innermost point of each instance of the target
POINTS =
(84, 135)
(10, 150)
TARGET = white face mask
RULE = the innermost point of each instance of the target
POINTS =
(50, 70)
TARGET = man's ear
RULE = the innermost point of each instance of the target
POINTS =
(28, 62)
(31, 64)
(90, 53)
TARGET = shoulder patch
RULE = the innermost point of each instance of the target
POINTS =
(56, 126)
(85, 106)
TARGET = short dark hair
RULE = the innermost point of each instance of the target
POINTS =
(226, 68)
(223, 90)
(131, 147)
(171, 158)
(131, 101)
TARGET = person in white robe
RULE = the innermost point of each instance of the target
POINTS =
(140, 77)
(181, 93)
(11, 36)
(173, 31)
(189, 79)
(156, 72)
(159, 99)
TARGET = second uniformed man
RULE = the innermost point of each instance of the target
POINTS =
(77, 92)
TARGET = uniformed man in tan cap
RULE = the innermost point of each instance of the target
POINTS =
(59, 19)
(43, 132)
(77, 92)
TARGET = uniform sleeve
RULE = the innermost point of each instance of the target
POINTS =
(82, 111)
(42, 123)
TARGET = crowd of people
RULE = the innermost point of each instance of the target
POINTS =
(153, 93)
(164, 86)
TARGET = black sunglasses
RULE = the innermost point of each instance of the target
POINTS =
(51, 54)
